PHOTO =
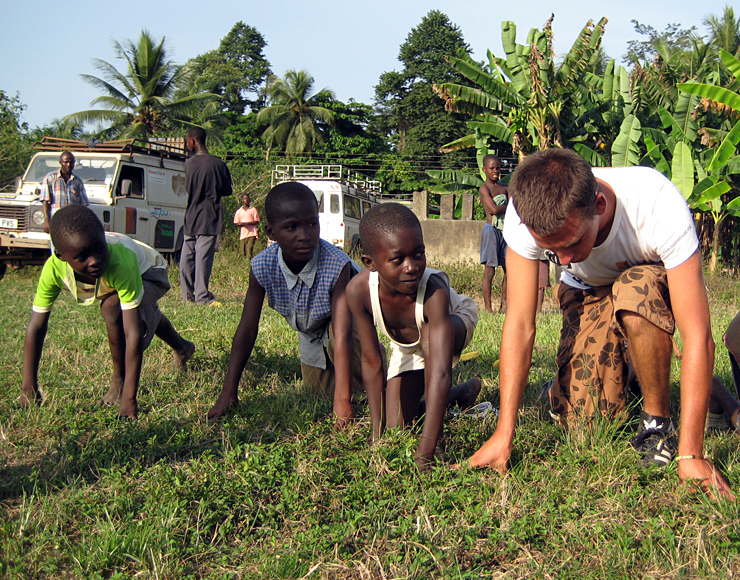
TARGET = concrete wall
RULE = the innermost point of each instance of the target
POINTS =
(447, 239)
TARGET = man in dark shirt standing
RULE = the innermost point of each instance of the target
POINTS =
(207, 181)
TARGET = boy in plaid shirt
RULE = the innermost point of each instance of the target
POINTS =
(304, 279)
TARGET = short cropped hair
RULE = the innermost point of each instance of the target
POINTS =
(286, 192)
(71, 220)
(197, 133)
(490, 156)
(382, 220)
(549, 185)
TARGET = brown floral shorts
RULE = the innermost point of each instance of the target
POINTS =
(591, 359)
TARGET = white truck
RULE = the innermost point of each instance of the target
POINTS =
(138, 191)
(343, 197)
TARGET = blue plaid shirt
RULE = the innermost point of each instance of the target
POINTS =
(60, 193)
(304, 299)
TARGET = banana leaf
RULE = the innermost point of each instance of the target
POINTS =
(682, 169)
(626, 147)
(727, 148)
(452, 176)
(655, 154)
(719, 94)
(457, 144)
(498, 131)
(731, 62)
(593, 158)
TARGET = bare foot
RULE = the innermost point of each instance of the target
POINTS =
(29, 397)
(128, 409)
(465, 394)
(182, 357)
(113, 396)
(489, 310)
(223, 405)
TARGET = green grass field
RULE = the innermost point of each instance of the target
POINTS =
(273, 492)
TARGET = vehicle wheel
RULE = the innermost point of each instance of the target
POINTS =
(174, 257)
(3, 267)
(356, 245)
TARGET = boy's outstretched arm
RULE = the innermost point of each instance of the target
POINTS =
(373, 375)
(241, 348)
(134, 354)
(341, 322)
(32, 349)
(517, 343)
(438, 334)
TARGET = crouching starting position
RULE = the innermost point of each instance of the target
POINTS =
(127, 277)
(304, 279)
(428, 323)
(631, 272)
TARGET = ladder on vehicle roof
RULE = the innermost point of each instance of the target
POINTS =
(337, 173)
(169, 148)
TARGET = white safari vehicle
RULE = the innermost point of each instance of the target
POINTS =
(134, 190)
(343, 197)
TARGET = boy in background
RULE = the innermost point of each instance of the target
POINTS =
(428, 323)
(247, 219)
(127, 277)
(494, 198)
(304, 279)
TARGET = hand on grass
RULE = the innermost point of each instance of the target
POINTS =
(494, 453)
(344, 413)
(225, 402)
(703, 475)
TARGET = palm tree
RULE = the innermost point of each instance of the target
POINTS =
(296, 119)
(139, 102)
(724, 31)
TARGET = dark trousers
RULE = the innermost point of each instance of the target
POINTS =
(196, 263)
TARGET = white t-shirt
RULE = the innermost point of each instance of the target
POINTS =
(652, 225)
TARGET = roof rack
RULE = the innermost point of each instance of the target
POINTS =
(324, 173)
(169, 148)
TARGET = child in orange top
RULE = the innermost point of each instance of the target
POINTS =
(247, 219)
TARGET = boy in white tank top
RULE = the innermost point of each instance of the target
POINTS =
(428, 323)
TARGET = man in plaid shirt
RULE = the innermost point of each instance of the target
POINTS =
(61, 188)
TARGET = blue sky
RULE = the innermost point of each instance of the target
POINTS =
(345, 45)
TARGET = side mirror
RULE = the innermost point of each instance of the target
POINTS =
(18, 182)
(126, 187)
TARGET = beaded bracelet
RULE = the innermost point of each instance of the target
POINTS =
(681, 457)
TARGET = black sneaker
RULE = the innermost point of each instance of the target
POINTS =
(655, 439)
(543, 399)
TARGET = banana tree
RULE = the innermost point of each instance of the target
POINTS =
(606, 125)
(524, 98)
(454, 181)
(724, 163)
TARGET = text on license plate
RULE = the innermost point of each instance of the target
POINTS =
(8, 223)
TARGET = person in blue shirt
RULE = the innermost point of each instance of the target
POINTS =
(304, 279)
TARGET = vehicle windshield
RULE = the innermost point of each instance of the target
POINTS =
(88, 169)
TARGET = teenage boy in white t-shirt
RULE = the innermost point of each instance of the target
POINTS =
(631, 271)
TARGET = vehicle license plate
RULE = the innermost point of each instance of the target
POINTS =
(8, 223)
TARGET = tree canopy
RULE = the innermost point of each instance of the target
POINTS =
(236, 70)
(413, 117)
(139, 102)
(14, 145)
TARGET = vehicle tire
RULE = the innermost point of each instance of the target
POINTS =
(356, 245)
(174, 257)
(3, 267)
